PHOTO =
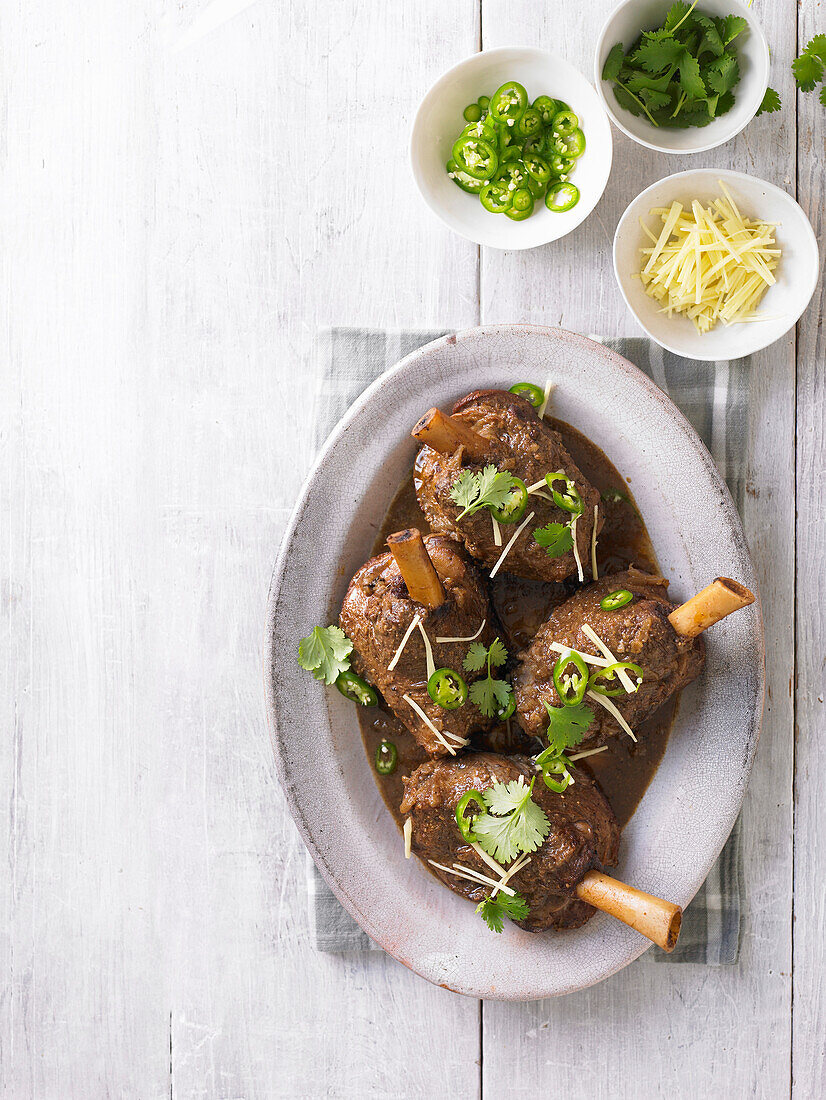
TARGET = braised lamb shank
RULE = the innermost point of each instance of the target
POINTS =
(584, 834)
(503, 429)
(649, 631)
(433, 581)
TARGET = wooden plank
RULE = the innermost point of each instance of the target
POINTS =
(661, 1027)
(181, 222)
(284, 203)
(809, 956)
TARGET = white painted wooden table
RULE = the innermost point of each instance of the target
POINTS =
(189, 191)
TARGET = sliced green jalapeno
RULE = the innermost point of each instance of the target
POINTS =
(387, 757)
(447, 688)
(529, 124)
(615, 600)
(537, 167)
(561, 165)
(503, 713)
(473, 112)
(569, 500)
(496, 197)
(552, 763)
(517, 501)
(571, 684)
(522, 200)
(466, 824)
(561, 197)
(547, 108)
(605, 681)
(574, 142)
(463, 180)
(355, 689)
(509, 102)
(564, 122)
(476, 156)
(533, 393)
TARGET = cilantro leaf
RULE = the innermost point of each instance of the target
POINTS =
(808, 70)
(677, 15)
(567, 725)
(490, 696)
(497, 653)
(816, 47)
(325, 653)
(710, 42)
(613, 62)
(730, 26)
(555, 538)
(723, 74)
(656, 55)
(626, 100)
(513, 822)
(487, 488)
(771, 103)
(494, 910)
(654, 99)
(690, 80)
(475, 657)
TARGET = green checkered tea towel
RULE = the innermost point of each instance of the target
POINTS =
(714, 397)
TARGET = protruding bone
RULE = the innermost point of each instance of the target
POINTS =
(657, 920)
(711, 605)
(446, 434)
(416, 568)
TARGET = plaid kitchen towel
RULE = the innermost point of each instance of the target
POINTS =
(714, 397)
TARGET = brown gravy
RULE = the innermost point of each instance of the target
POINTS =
(625, 769)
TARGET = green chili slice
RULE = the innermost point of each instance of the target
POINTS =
(355, 689)
(529, 124)
(564, 122)
(537, 167)
(552, 763)
(569, 500)
(484, 102)
(514, 507)
(562, 196)
(571, 685)
(503, 713)
(447, 688)
(462, 179)
(605, 681)
(496, 197)
(509, 102)
(615, 600)
(476, 156)
(387, 757)
(561, 165)
(533, 393)
(575, 142)
(547, 108)
(472, 113)
(465, 824)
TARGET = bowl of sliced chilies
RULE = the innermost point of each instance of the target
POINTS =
(715, 264)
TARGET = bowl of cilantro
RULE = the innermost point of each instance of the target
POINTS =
(684, 78)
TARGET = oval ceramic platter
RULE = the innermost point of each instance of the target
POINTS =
(681, 824)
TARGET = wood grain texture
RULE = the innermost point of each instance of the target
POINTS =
(809, 956)
(176, 226)
(189, 192)
(665, 1028)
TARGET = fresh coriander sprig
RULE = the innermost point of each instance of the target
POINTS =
(512, 823)
(681, 74)
(494, 910)
(486, 488)
(325, 653)
(490, 695)
(556, 538)
(567, 726)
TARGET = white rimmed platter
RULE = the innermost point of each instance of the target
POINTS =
(675, 835)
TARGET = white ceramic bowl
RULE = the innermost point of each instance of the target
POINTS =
(439, 121)
(687, 812)
(629, 19)
(782, 303)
